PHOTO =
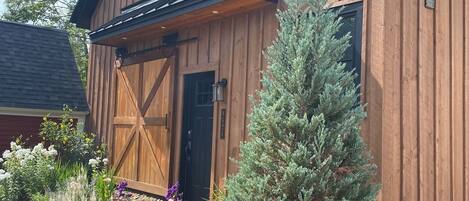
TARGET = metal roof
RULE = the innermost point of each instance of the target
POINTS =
(145, 13)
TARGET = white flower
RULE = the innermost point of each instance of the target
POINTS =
(14, 146)
(6, 154)
(38, 148)
(1, 160)
(52, 152)
(74, 185)
(30, 157)
(5, 175)
(93, 162)
(105, 161)
(2, 171)
(107, 180)
(51, 148)
(23, 153)
(50, 167)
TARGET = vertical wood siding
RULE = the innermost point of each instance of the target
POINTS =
(232, 47)
(415, 81)
(416, 90)
(101, 77)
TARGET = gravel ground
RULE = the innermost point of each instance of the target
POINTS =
(133, 196)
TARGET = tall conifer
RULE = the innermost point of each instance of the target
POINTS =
(305, 128)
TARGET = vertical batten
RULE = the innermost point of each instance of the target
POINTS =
(409, 99)
(225, 63)
(254, 62)
(238, 79)
(426, 94)
(466, 99)
(229, 94)
(374, 65)
(392, 135)
(443, 102)
(457, 98)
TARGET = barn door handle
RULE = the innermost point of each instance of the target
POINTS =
(166, 122)
(188, 148)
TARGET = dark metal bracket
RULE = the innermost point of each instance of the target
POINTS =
(430, 4)
(122, 53)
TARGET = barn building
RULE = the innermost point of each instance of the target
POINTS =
(156, 65)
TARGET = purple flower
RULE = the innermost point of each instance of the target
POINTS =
(121, 188)
(172, 192)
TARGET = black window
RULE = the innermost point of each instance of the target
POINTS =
(352, 23)
(203, 93)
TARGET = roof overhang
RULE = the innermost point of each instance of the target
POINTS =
(133, 24)
(143, 17)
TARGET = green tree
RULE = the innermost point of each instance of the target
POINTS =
(52, 13)
(305, 128)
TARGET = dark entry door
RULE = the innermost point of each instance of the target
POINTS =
(197, 136)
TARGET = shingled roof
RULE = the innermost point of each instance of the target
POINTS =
(38, 69)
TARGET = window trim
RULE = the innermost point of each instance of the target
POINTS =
(355, 9)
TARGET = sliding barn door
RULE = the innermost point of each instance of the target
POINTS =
(142, 126)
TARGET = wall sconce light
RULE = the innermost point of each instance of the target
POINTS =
(219, 90)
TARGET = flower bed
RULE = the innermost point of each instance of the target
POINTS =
(73, 167)
(26, 171)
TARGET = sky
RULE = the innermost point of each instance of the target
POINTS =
(2, 7)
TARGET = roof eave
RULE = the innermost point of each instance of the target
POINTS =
(153, 18)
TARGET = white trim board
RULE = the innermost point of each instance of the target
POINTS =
(38, 112)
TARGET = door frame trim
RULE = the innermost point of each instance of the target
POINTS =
(181, 123)
(178, 124)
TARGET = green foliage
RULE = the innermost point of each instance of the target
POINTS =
(102, 178)
(76, 188)
(39, 197)
(74, 146)
(59, 172)
(64, 171)
(305, 129)
(27, 172)
(218, 194)
(73, 183)
(52, 13)
(105, 184)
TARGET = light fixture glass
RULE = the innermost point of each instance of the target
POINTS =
(219, 90)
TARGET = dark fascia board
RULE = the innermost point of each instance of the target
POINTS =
(153, 18)
(83, 12)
